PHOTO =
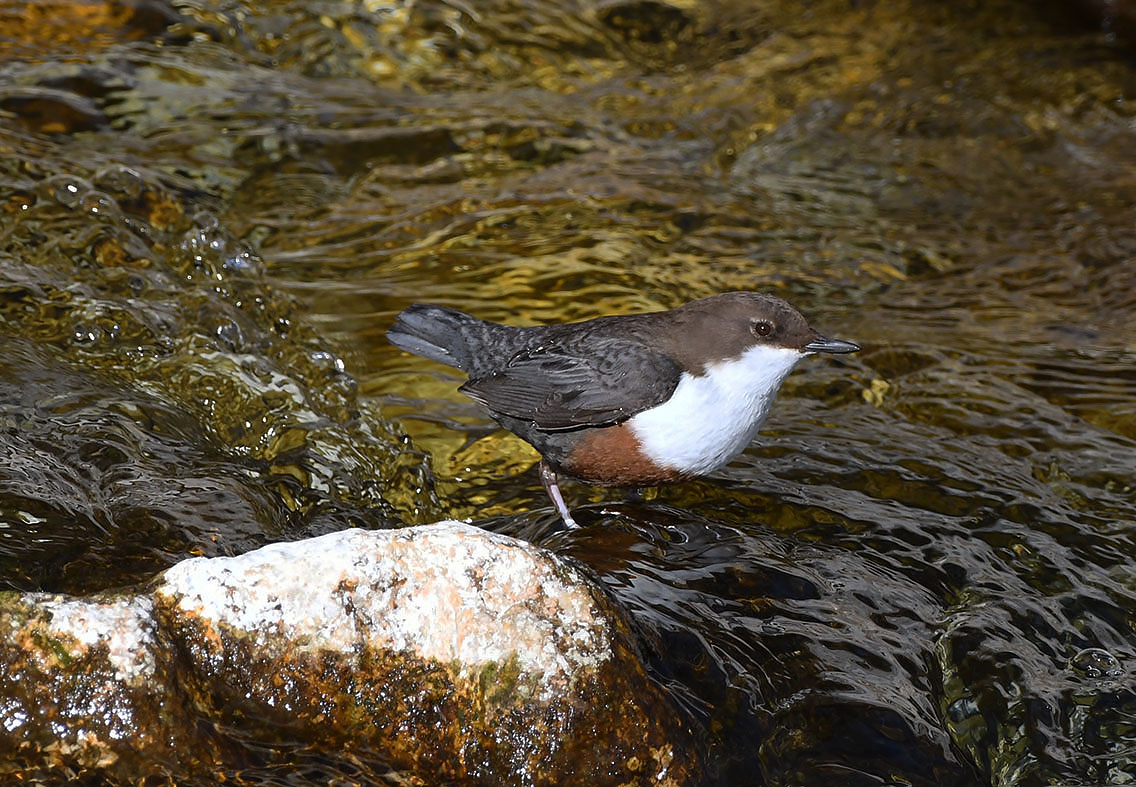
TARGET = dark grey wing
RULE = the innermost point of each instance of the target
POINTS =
(559, 387)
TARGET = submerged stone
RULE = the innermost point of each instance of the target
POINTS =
(460, 654)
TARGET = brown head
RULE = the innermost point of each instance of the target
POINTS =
(723, 327)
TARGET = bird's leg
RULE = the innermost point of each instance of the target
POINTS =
(548, 480)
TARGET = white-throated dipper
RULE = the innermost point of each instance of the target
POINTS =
(634, 400)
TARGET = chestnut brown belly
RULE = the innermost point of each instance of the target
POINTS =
(612, 456)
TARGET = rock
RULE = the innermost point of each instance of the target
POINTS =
(649, 21)
(80, 686)
(49, 111)
(459, 654)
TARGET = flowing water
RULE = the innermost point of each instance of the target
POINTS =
(922, 572)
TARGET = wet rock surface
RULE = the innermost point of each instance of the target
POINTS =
(457, 654)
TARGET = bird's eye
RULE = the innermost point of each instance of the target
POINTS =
(762, 328)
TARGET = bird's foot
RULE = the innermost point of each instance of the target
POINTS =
(548, 480)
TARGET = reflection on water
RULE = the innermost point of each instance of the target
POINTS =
(921, 572)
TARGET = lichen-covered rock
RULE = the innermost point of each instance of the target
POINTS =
(80, 684)
(461, 655)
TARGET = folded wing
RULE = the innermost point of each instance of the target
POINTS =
(558, 388)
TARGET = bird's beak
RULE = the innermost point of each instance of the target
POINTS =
(822, 344)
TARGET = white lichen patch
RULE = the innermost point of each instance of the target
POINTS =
(448, 592)
(124, 626)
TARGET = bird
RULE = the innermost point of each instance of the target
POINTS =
(627, 400)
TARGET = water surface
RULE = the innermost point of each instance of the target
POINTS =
(921, 572)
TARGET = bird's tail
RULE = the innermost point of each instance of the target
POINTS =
(439, 333)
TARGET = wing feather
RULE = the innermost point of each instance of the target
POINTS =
(561, 387)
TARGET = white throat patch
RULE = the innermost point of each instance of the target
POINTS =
(711, 418)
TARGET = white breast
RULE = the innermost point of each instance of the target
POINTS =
(711, 418)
